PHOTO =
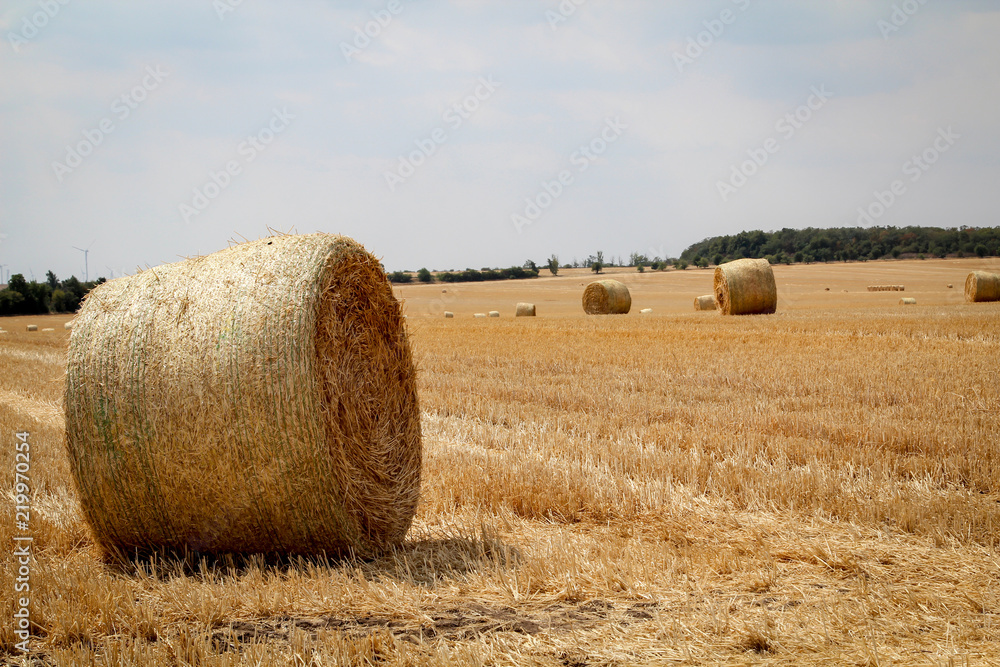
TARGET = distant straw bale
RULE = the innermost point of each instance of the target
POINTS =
(47, 329)
(886, 288)
(907, 301)
(606, 297)
(706, 302)
(480, 315)
(448, 314)
(68, 325)
(982, 286)
(494, 313)
(261, 399)
(645, 311)
(32, 327)
(745, 287)
(524, 310)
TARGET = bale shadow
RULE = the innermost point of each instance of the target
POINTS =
(425, 560)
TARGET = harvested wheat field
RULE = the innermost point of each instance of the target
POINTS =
(817, 486)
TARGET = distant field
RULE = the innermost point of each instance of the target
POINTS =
(819, 486)
(800, 287)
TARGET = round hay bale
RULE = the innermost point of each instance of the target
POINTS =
(907, 301)
(950, 286)
(32, 327)
(524, 310)
(982, 286)
(645, 311)
(47, 329)
(745, 287)
(480, 315)
(706, 302)
(68, 325)
(494, 313)
(448, 314)
(261, 399)
(606, 297)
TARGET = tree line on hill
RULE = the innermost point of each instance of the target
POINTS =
(847, 244)
(22, 297)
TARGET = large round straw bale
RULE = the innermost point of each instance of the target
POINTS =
(606, 297)
(524, 310)
(706, 302)
(32, 327)
(745, 287)
(982, 286)
(907, 301)
(259, 399)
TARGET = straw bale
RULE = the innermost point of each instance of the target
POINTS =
(448, 314)
(606, 297)
(261, 399)
(32, 327)
(494, 313)
(706, 302)
(525, 310)
(907, 301)
(982, 286)
(745, 287)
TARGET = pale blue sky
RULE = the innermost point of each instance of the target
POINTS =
(666, 125)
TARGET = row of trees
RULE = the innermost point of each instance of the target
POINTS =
(847, 244)
(22, 297)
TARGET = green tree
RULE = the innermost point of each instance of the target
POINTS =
(52, 280)
(553, 265)
(596, 267)
(424, 276)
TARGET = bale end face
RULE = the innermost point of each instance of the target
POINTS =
(606, 297)
(706, 302)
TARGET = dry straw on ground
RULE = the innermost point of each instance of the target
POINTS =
(706, 302)
(745, 287)
(982, 286)
(606, 297)
(524, 310)
(907, 301)
(259, 399)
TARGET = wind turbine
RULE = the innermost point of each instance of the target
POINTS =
(86, 271)
(111, 270)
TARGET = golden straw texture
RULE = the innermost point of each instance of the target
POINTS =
(525, 310)
(706, 302)
(259, 399)
(606, 297)
(745, 287)
(982, 286)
